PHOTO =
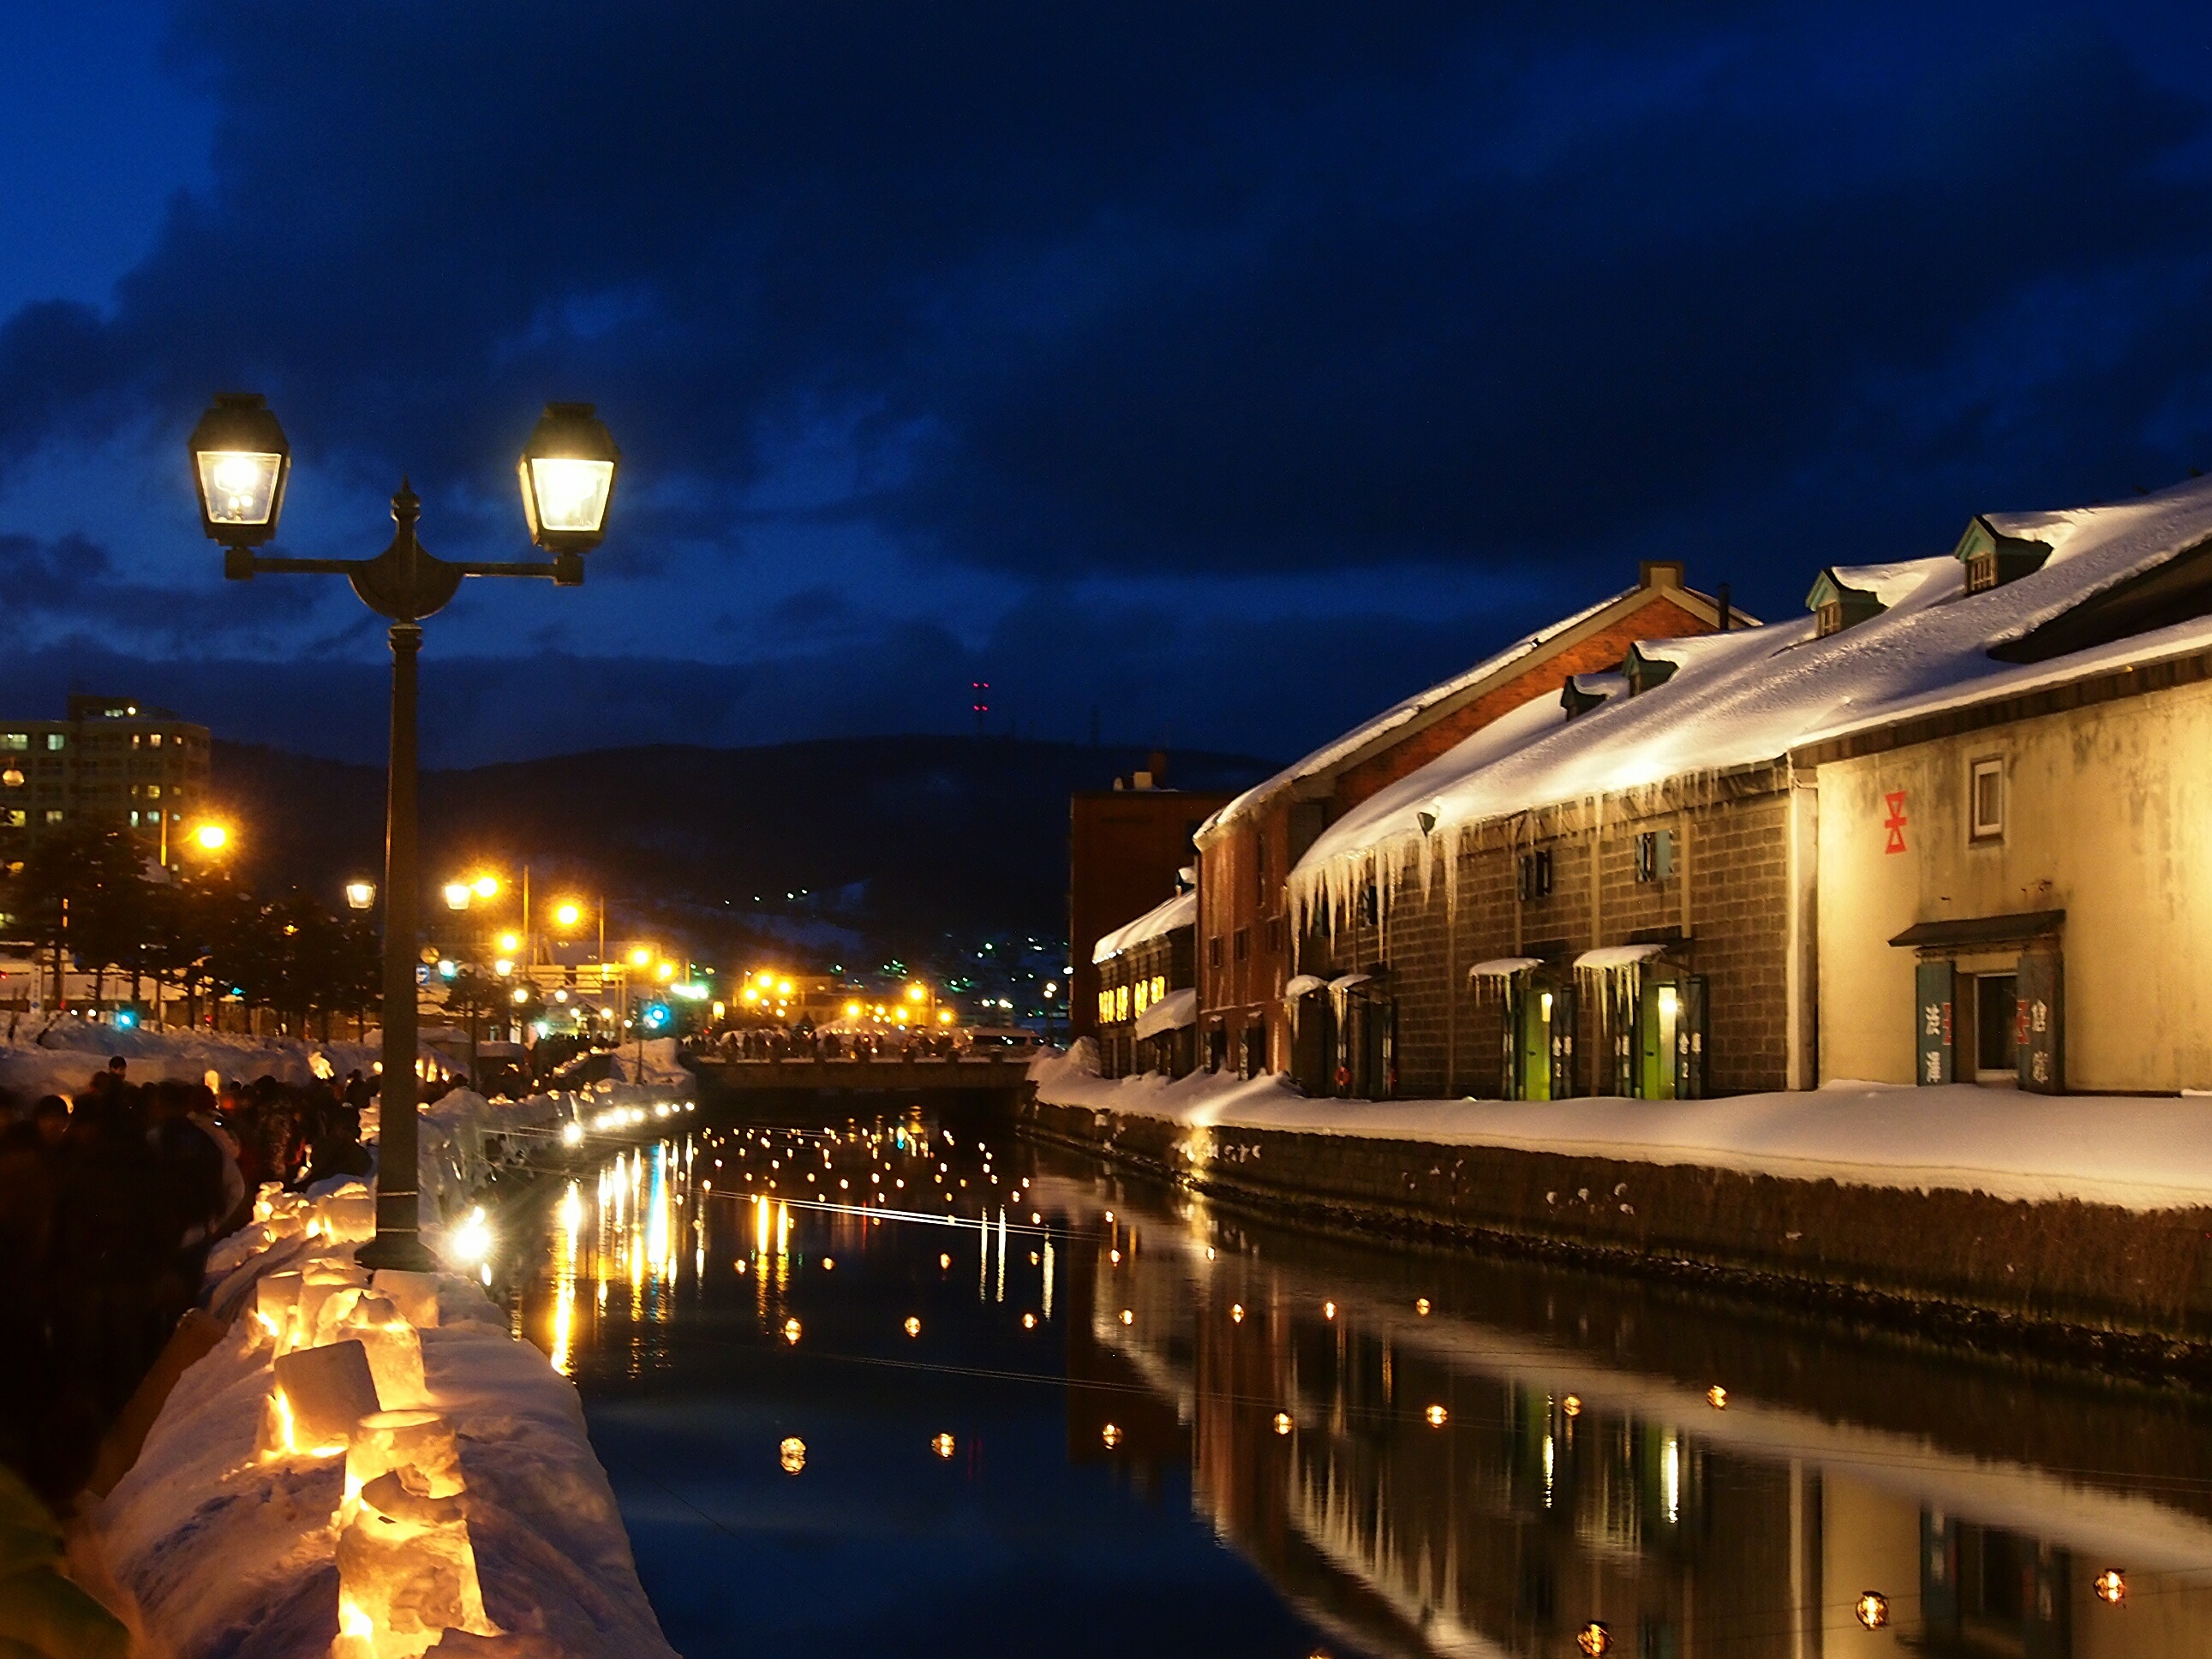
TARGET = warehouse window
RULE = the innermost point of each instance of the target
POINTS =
(1987, 799)
(1536, 874)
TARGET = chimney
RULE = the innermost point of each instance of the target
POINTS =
(1158, 760)
(1722, 601)
(1659, 573)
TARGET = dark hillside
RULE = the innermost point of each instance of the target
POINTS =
(901, 839)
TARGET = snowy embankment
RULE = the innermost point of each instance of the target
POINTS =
(267, 1515)
(60, 1058)
(2137, 1154)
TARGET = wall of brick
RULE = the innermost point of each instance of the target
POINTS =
(1728, 895)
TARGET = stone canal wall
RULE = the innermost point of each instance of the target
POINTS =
(2130, 1286)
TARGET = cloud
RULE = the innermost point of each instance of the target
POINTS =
(909, 318)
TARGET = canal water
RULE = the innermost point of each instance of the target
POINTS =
(885, 1387)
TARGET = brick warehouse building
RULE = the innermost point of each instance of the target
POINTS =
(1126, 847)
(1246, 851)
(1949, 827)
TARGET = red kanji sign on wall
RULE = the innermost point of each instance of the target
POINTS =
(1895, 822)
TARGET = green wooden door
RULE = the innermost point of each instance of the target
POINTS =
(1535, 1004)
(1657, 1014)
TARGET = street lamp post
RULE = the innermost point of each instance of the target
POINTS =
(240, 465)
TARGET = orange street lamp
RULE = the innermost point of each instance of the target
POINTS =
(361, 894)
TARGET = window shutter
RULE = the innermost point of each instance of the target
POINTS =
(2041, 1024)
(1564, 1012)
(1932, 1026)
(1690, 1040)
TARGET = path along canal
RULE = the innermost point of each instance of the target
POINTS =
(875, 1387)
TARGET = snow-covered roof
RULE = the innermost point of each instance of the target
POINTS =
(1755, 693)
(1181, 911)
(1171, 1014)
(1403, 713)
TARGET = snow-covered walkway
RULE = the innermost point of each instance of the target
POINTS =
(2139, 1153)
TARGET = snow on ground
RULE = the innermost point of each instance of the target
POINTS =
(661, 1069)
(60, 1060)
(2142, 1154)
(226, 1549)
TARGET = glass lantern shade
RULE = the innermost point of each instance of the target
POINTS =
(361, 894)
(241, 464)
(567, 476)
(457, 895)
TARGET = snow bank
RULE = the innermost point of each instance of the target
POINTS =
(660, 1068)
(73, 1049)
(2140, 1154)
(228, 1549)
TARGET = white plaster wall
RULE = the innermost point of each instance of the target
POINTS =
(2108, 817)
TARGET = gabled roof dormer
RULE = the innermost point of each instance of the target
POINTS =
(1839, 606)
(1583, 692)
(1992, 559)
(1643, 671)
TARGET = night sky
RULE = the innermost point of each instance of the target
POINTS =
(1228, 370)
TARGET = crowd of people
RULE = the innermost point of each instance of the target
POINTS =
(109, 1204)
(804, 1042)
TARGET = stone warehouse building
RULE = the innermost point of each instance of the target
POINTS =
(1952, 826)
(1246, 851)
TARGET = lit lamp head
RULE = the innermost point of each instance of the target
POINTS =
(568, 473)
(567, 913)
(211, 837)
(457, 894)
(361, 894)
(240, 462)
(486, 886)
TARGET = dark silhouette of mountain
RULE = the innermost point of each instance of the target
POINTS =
(895, 841)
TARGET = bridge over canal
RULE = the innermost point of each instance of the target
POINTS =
(748, 1086)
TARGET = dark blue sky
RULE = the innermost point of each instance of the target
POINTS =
(1233, 370)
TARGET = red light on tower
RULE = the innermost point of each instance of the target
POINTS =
(980, 692)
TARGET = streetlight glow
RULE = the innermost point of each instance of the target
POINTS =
(211, 837)
(510, 942)
(361, 894)
(568, 913)
(240, 462)
(567, 477)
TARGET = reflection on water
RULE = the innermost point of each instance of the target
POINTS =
(1019, 1386)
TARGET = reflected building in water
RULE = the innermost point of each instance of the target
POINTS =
(1428, 1484)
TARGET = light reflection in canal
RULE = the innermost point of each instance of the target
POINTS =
(1138, 1422)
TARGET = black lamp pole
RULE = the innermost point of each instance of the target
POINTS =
(407, 584)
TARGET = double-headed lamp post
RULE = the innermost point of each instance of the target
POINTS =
(240, 465)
